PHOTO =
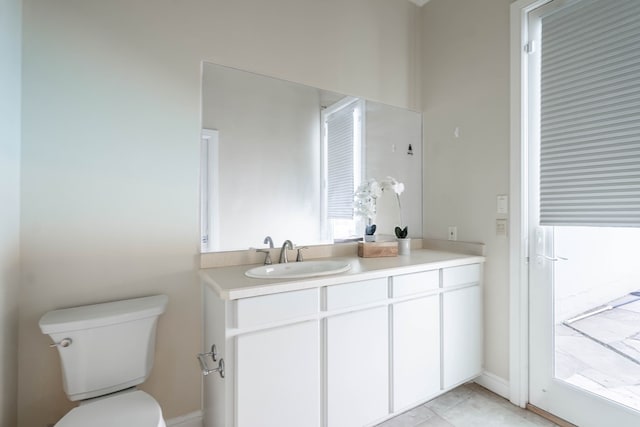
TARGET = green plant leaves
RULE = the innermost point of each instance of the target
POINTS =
(401, 233)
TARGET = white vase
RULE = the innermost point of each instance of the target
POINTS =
(404, 246)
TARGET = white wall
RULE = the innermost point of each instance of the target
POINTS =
(465, 66)
(10, 46)
(111, 126)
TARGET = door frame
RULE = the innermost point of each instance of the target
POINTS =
(518, 228)
(519, 204)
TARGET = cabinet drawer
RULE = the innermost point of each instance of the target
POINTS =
(462, 275)
(272, 308)
(409, 284)
(352, 294)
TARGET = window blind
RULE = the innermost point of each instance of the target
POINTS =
(340, 146)
(590, 114)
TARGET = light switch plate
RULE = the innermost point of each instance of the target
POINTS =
(503, 204)
(501, 227)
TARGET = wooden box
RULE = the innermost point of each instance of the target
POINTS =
(377, 249)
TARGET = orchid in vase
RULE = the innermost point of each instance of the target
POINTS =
(392, 184)
(364, 205)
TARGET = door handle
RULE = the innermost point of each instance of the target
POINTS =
(554, 259)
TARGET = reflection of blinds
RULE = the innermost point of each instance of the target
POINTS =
(590, 114)
(340, 131)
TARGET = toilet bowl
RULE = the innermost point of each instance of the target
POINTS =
(105, 351)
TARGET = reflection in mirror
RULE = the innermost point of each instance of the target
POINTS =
(282, 159)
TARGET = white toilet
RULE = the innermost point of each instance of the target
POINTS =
(106, 350)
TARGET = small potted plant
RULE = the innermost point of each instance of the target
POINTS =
(404, 242)
(364, 204)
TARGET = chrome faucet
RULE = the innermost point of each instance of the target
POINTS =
(283, 252)
(267, 258)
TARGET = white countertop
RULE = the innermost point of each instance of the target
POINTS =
(230, 282)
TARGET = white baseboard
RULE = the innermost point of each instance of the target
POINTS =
(496, 384)
(193, 419)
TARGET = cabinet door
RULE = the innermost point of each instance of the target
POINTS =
(416, 351)
(278, 377)
(357, 367)
(461, 335)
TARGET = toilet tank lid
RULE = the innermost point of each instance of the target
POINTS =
(96, 315)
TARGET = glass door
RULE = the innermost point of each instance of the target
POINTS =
(585, 325)
(584, 235)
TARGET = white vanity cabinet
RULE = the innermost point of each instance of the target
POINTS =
(278, 376)
(357, 352)
(461, 324)
(416, 338)
(348, 351)
(416, 351)
(357, 367)
(271, 358)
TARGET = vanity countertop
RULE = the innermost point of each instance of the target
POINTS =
(230, 283)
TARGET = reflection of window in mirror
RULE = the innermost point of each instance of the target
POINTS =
(209, 190)
(342, 161)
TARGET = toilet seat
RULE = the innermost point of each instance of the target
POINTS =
(128, 409)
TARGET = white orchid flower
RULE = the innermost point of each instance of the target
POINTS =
(364, 203)
(366, 195)
(375, 189)
(394, 185)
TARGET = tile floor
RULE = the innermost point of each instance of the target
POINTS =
(601, 353)
(469, 405)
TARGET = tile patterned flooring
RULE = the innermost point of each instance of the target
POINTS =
(469, 405)
(601, 354)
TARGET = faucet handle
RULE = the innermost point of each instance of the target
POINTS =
(267, 259)
(299, 256)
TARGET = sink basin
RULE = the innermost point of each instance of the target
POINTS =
(293, 270)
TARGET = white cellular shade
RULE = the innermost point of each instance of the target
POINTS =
(340, 159)
(590, 114)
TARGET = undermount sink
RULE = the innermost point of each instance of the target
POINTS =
(293, 270)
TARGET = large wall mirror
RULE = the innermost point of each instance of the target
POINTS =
(282, 159)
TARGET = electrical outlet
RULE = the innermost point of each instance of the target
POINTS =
(453, 232)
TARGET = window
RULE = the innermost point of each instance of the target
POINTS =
(342, 166)
(209, 190)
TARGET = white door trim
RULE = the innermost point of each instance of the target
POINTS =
(518, 240)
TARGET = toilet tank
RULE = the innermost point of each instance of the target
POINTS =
(110, 345)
